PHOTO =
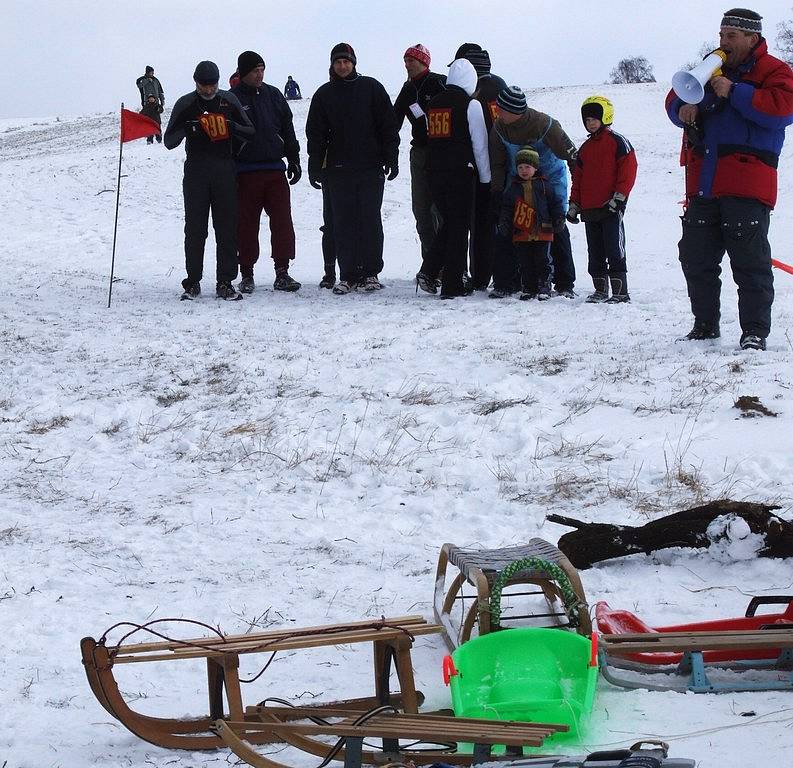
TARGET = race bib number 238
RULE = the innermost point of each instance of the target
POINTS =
(214, 126)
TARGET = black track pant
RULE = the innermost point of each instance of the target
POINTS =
(563, 265)
(482, 237)
(428, 221)
(739, 227)
(210, 183)
(536, 267)
(356, 199)
(328, 242)
(452, 196)
(605, 241)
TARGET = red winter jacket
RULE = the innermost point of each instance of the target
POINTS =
(606, 164)
(737, 153)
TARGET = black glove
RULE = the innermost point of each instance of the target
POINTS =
(391, 171)
(559, 225)
(315, 179)
(293, 172)
(617, 203)
(572, 213)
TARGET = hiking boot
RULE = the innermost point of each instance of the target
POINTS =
(499, 293)
(246, 284)
(752, 341)
(328, 281)
(527, 296)
(342, 287)
(227, 292)
(566, 293)
(619, 288)
(543, 295)
(370, 284)
(285, 283)
(601, 292)
(426, 283)
(191, 290)
(703, 330)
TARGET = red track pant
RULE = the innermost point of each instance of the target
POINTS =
(266, 191)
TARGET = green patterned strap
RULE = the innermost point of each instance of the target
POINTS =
(551, 570)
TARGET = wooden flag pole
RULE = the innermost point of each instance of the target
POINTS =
(118, 195)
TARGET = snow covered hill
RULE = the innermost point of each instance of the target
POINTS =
(300, 459)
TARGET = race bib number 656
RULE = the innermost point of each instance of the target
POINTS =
(439, 123)
(214, 126)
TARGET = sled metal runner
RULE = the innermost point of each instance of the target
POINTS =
(481, 569)
(391, 638)
(351, 728)
(692, 673)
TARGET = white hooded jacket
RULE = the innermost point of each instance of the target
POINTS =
(463, 75)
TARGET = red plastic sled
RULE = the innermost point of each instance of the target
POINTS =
(616, 622)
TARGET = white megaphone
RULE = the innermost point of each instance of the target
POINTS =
(690, 86)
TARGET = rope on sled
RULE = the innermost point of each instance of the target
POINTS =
(571, 601)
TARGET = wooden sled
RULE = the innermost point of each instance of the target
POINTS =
(391, 639)
(692, 673)
(351, 728)
(481, 569)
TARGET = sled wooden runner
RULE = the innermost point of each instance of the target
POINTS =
(692, 667)
(391, 638)
(353, 727)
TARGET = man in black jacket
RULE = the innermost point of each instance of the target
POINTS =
(411, 103)
(261, 183)
(352, 143)
(208, 118)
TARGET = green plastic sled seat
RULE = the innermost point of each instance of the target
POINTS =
(529, 675)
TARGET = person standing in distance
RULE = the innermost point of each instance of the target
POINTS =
(207, 119)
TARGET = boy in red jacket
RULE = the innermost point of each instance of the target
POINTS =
(602, 180)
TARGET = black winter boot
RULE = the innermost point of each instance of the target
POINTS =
(601, 293)
(619, 288)
(703, 330)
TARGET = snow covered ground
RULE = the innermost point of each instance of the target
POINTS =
(300, 459)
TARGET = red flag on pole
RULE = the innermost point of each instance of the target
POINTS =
(136, 126)
(781, 265)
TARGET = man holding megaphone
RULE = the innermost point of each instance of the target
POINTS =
(734, 115)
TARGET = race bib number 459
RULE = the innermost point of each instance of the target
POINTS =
(439, 123)
(214, 126)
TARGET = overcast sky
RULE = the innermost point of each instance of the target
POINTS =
(71, 58)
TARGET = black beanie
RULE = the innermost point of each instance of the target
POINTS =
(149, 69)
(463, 50)
(206, 73)
(247, 61)
(743, 19)
(343, 51)
(480, 60)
